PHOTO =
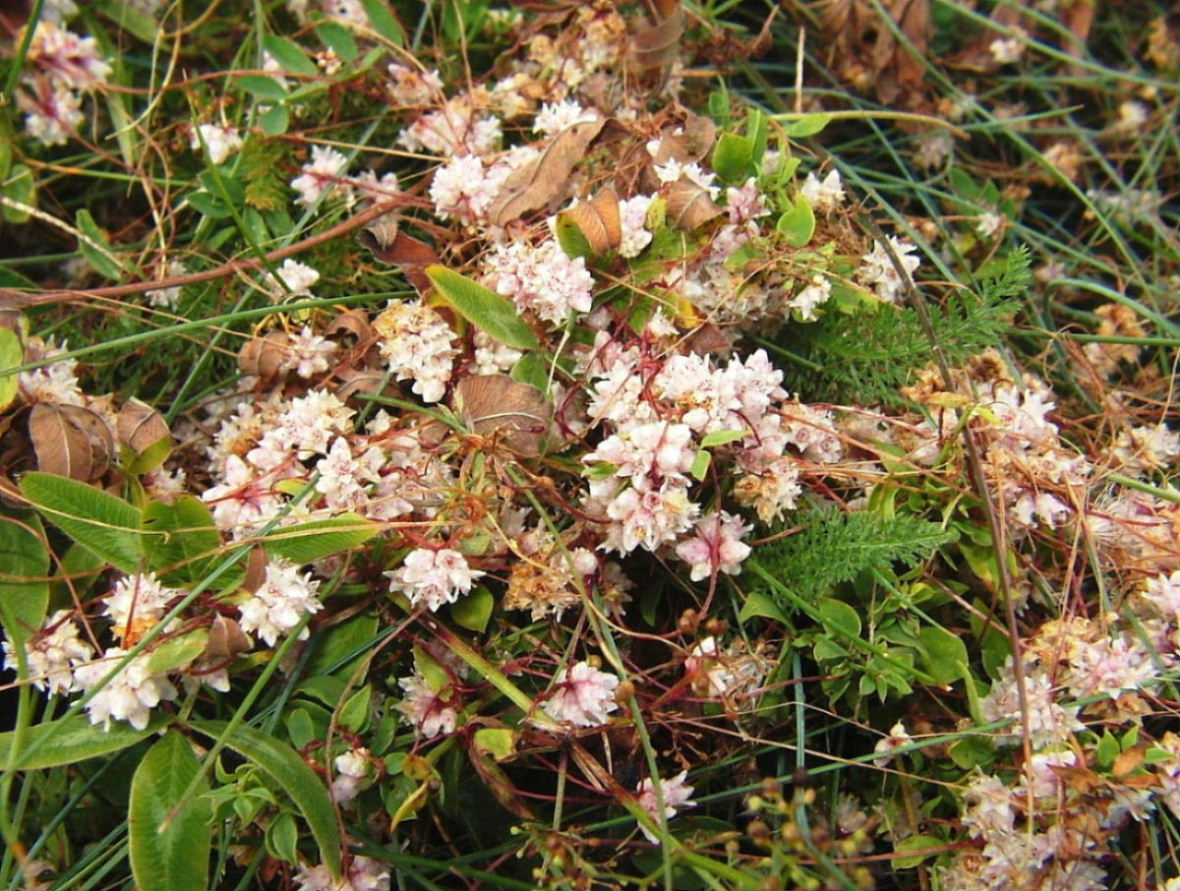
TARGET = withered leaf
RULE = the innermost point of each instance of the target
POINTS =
(598, 219)
(70, 440)
(227, 641)
(494, 404)
(658, 45)
(389, 244)
(351, 321)
(138, 425)
(690, 206)
(693, 142)
(545, 179)
(361, 380)
(900, 70)
(255, 570)
(264, 356)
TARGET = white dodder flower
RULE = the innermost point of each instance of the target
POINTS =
(308, 354)
(633, 221)
(555, 117)
(879, 273)
(676, 793)
(281, 601)
(433, 577)
(220, 141)
(543, 278)
(52, 653)
(826, 195)
(582, 695)
(817, 293)
(360, 873)
(137, 602)
(298, 277)
(129, 696)
(418, 344)
(352, 769)
(320, 175)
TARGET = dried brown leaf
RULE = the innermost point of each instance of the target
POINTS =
(361, 380)
(389, 244)
(351, 321)
(690, 206)
(264, 356)
(255, 570)
(70, 440)
(899, 70)
(599, 220)
(658, 45)
(138, 425)
(494, 404)
(693, 142)
(227, 641)
(545, 179)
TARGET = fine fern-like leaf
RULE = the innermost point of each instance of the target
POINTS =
(869, 358)
(261, 169)
(835, 547)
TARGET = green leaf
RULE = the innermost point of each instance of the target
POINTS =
(274, 122)
(11, 358)
(300, 727)
(700, 464)
(917, 843)
(282, 837)
(24, 586)
(336, 37)
(102, 523)
(797, 225)
(95, 248)
(177, 652)
(263, 87)
(808, 125)
(383, 21)
(127, 18)
(354, 714)
(1108, 749)
(290, 55)
(722, 437)
(292, 774)
(70, 740)
(342, 642)
(733, 157)
(571, 238)
(209, 205)
(19, 186)
(315, 539)
(499, 742)
(473, 611)
(945, 653)
(759, 604)
(483, 308)
(182, 542)
(972, 751)
(531, 369)
(169, 838)
(839, 616)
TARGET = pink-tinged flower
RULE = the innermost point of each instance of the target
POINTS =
(309, 354)
(582, 695)
(425, 708)
(359, 874)
(432, 578)
(898, 737)
(280, 603)
(1108, 667)
(72, 61)
(633, 220)
(412, 86)
(52, 382)
(648, 453)
(716, 547)
(647, 517)
(344, 479)
(542, 278)
(745, 203)
(320, 176)
(53, 112)
(676, 793)
(243, 501)
(52, 654)
(129, 696)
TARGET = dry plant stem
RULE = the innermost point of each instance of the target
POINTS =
(14, 298)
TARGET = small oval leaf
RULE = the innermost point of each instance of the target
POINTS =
(483, 308)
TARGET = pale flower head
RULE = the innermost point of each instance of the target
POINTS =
(129, 696)
(431, 578)
(582, 695)
(676, 793)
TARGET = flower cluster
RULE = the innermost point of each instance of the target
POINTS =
(61, 66)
